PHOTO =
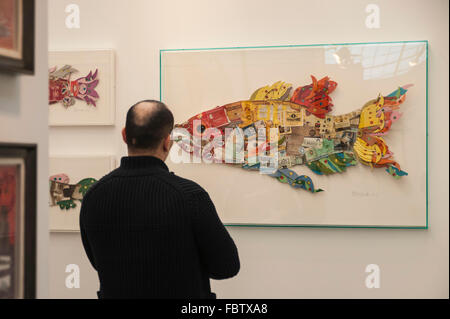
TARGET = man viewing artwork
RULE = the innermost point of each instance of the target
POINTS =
(148, 232)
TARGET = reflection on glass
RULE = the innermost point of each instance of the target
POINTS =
(377, 61)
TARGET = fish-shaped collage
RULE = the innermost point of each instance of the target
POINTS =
(307, 134)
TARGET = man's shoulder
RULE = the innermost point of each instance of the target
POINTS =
(177, 183)
(185, 185)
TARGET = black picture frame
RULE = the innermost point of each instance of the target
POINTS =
(27, 152)
(26, 64)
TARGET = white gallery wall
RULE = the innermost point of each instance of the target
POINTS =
(23, 119)
(276, 262)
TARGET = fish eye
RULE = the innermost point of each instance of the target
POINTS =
(201, 128)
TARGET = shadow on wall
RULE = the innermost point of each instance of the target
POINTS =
(9, 94)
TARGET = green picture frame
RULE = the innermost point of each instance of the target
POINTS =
(162, 51)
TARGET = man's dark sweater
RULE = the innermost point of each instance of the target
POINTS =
(152, 234)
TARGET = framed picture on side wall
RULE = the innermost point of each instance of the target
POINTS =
(70, 179)
(17, 36)
(81, 88)
(17, 221)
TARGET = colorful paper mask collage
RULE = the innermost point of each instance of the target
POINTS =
(63, 89)
(70, 179)
(81, 88)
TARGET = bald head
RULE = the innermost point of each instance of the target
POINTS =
(143, 111)
(148, 123)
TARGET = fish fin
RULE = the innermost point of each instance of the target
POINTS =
(395, 172)
(66, 204)
(290, 177)
(315, 97)
(278, 91)
(86, 184)
(63, 72)
(333, 163)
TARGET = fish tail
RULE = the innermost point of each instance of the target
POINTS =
(376, 119)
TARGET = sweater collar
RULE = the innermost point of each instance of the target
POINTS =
(136, 162)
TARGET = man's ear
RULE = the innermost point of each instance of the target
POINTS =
(167, 144)
(124, 136)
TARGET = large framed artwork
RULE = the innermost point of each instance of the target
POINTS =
(328, 135)
(70, 178)
(17, 221)
(17, 36)
(81, 88)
